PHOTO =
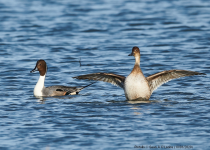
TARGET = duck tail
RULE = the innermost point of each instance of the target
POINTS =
(79, 89)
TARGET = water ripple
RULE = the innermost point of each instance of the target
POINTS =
(81, 37)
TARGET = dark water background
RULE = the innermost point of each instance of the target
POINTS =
(171, 34)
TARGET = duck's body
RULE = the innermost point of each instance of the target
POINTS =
(136, 85)
(56, 90)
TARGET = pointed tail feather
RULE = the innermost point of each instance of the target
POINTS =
(79, 89)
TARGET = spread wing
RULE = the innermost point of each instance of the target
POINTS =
(160, 78)
(115, 79)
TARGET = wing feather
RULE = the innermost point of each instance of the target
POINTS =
(160, 78)
(114, 79)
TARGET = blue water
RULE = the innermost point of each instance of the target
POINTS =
(100, 34)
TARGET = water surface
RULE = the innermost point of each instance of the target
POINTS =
(100, 34)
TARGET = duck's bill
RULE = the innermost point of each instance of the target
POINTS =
(131, 54)
(34, 70)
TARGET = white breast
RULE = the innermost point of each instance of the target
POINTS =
(136, 86)
(39, 86)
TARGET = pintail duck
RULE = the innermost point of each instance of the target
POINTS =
(57, 90)
(136, 86)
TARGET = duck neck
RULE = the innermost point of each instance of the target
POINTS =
(137, 60)
(39, 86)
(136, 67)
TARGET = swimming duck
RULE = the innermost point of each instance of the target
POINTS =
(56, 90)
(136, 86)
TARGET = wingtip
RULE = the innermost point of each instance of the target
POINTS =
(82, 77)
(75, 77)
